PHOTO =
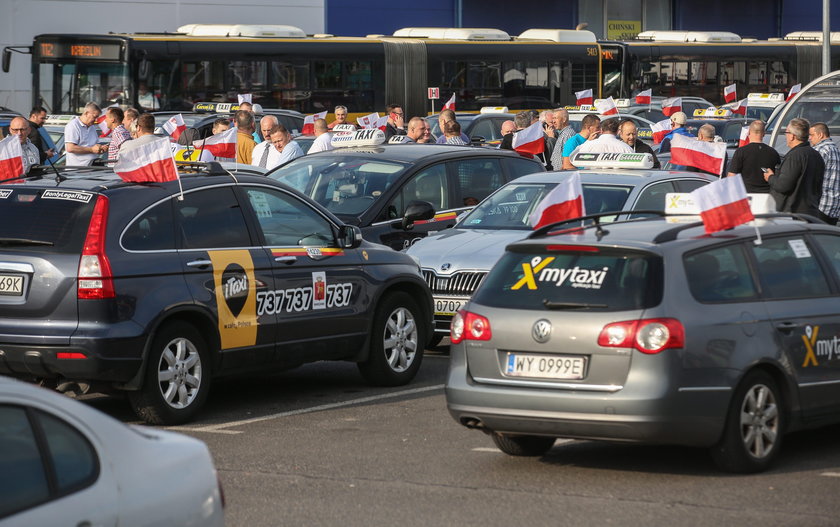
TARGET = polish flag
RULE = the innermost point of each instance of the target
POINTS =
(793, 91)
(584, 97)
(671, 106)
(11, 158)
(450, 104)
(643, 97)
(723, 204)
(691, 152)
(309, 122)
(368, 120)
(147, 163)
(222, 144)
(245, 97)
(606, 106)
(729, 93)
(175, 126)
(745, 136)
(104, 131)
(740, 107)
(381, 123)
(660, 130)
(564, 202)
(530, 140)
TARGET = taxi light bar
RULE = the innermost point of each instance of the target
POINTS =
(619, 103)
(494, 109)
(712, 112)
(766, 97)
(344, 128)
(612, 160)
(399, 140)
(215, 107)
(366, 137)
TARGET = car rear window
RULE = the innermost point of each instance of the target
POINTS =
(574, 278)
(49, 220)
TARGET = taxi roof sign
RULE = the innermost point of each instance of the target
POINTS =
(494, 109)
(619, 103)
(712, 112)
(215, 107)
(766, 97)
(612, 160)
(58, 119)
(366, 137)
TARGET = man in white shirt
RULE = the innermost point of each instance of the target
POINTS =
(283, 144)
(322, 137)
(264, 154)
(81, 137)
(607, 141)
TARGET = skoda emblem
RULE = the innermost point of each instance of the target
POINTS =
(541, 330)
(445, 267)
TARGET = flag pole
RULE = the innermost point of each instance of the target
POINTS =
(757, 233)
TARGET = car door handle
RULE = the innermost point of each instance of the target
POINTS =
(199, 263)
(787, 327)
(286, 259)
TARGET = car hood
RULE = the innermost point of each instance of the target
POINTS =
(475, 249)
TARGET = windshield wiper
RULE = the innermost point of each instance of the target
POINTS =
(24, 241)
(569, 305)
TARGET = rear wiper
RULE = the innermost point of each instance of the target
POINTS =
(24, 241)
(569, 305)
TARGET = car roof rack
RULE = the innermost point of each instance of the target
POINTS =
(671, 234)
(600, 232)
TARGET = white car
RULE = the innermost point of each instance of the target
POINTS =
(65, 463)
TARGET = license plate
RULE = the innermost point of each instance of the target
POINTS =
(448, 306)
(545, 366)
(11, 285)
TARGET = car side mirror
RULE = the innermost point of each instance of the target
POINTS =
(417, 211)
(350, 236)
(7, 59)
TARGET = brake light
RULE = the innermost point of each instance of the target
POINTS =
(70, 355)
(650, 335)
(574, 248)
(94, 275)
(469, 326)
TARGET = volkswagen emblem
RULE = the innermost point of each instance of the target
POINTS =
(445, 267)
(541, 330)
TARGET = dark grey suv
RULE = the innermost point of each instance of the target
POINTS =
(653, 332)
(155, 290)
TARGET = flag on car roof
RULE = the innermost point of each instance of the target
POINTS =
(730, 92)
(148, 163)
(723, 204)
(530, 140)
(244, 97)
(796, 88)
(11, 158)
(309, 122)
(643, 97)
(222, 144)
(744, 139)
(671, 106)
(175, 126)
(450, 104)
(606, 106)
(740, 107)
(584, 97)
(564, 202)
(660, 130)
(692, 152)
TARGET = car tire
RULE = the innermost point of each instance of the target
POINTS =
(177, 377)
(395, 350)
(516, 445)
(752, 436)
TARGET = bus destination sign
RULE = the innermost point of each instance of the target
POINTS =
(80, 50)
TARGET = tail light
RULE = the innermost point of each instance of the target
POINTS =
(650, 335)
(94, 275)
(469, 326)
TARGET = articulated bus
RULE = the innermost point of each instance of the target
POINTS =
(687, 63)
(284, 68)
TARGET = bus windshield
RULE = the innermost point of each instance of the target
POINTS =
(65, 88)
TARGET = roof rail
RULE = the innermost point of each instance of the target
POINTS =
(596, 219)
(671, 234)
(453, 33)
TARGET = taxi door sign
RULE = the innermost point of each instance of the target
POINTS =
(434, 93)
(236, 297)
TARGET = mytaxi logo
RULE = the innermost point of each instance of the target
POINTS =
(809, 339)
(827, 348)
(530, 269)
(536, 271)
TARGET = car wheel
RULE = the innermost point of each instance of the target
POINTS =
(515, 445)
(395, 350)
(177, 377)
(752, 436)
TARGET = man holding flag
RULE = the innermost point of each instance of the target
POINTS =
(678, 121)
(19, 129)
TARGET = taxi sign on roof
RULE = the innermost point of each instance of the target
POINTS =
(494, 109)
(619, 103)
(344, 128)
(712, 112)
(58, 119)
(612, 160)
(366, 137)
(399, 140)
(766, 97)
(215, 107)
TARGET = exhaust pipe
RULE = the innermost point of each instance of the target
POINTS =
(473, 423)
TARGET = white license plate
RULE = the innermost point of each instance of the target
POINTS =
(545, 366)
(448, 306)
(11, 285)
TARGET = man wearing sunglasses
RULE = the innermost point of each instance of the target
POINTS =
(20, 127)
(798, 185)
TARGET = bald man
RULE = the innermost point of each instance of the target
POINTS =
(20, 127)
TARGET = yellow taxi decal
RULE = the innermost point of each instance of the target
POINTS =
(810, 339)
(444, 216)
(312, 252)
(236, 298)
(187, 154)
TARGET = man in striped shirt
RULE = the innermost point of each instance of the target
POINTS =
(114, 119)
(564, 132)
(820, 139)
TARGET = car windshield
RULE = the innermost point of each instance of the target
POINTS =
(346, 185)
(511, 206)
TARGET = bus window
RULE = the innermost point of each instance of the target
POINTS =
(732, 72)
(757, 75)
(203, 81)
(779, 76)
(247, 77)
(327, 74)
(68, 87)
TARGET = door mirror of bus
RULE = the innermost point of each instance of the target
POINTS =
(7, 59)
(417, 211)
(350, 236)
(143, 69)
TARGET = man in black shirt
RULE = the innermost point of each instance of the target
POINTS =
(751, 158)
(628, 133)
(36, 120)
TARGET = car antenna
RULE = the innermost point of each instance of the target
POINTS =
(58, 177)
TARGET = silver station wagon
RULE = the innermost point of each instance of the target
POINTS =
(654, 332)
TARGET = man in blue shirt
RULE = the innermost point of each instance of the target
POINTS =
(678, 121)
(588, 130)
